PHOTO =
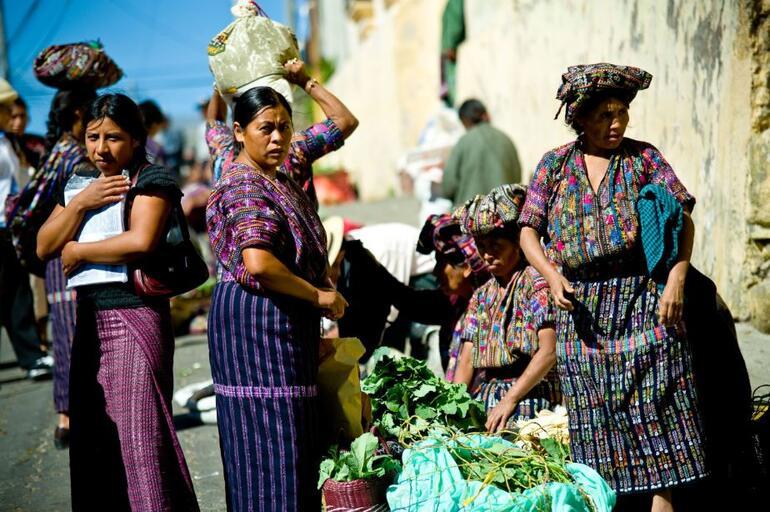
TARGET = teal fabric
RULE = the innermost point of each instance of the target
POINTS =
(661, 221)
(431, 482)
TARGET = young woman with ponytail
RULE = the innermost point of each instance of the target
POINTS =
(66, 154)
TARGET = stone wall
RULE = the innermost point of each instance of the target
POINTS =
(757, 18)
(708, 109)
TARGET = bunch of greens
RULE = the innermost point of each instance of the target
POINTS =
(408, 400)
(511, 468)
(359, 462)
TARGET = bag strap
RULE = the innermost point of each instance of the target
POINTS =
(134, 180)
(175, 215)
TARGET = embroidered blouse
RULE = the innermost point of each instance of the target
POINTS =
(503, 321)
(582, 227)
(306, 147)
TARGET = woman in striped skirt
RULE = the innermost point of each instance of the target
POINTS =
(66, 155)
(622, 355)
(264, 322)
(124, 452)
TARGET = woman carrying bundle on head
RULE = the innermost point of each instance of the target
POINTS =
(509, 331)
(124, 452)
(264, 321)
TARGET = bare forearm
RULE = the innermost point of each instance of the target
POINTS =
(216, 110)
(123, 248)
(464, 371)
(333, 108)
(287, 283)
(686, 239)
(530, 244)
(58, 230)
(276, 277)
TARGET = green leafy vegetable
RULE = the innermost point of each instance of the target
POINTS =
(511, 468)
(408, 400)
(359, 462)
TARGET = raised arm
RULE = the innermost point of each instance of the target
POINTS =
(216, 109)
(329, 103)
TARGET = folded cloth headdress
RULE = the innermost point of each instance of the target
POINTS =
(442, 233)
(580, 82)
(85, 64)
(498, 209)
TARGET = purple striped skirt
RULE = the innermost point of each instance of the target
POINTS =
(124, 452)
(264, 362)
(62, 310)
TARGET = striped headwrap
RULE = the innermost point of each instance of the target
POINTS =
(442, 233)
(580, 82)
(498, 209)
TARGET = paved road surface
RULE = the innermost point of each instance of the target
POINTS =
(34, 476)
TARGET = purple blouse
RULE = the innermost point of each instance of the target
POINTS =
(306, 147)
(247, 209)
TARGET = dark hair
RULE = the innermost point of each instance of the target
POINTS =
(63, 113)
(472, 111)
(509, 232)
(250, 103)
(19, 102)
(594, 100)
(151, 113)
(125, 113)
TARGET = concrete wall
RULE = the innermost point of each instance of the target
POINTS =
(707, 110)
(390, 82)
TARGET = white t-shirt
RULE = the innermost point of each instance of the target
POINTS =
(394, 245)
(9, 166)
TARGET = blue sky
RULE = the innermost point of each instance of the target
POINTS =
(159, 44)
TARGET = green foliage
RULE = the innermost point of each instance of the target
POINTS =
(408, 400)
(511, 468)
(359, 462)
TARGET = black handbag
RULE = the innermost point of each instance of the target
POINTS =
(175, 267)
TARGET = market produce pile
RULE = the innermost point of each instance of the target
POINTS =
(509, 467)
(449, 463)
(408, 399)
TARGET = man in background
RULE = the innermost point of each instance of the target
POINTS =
(482, 159)
(16, 312)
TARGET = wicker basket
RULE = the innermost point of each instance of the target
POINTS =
(364, 495)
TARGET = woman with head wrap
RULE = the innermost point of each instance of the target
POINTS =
(623, 359)
(510, 319)
(460, 270)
